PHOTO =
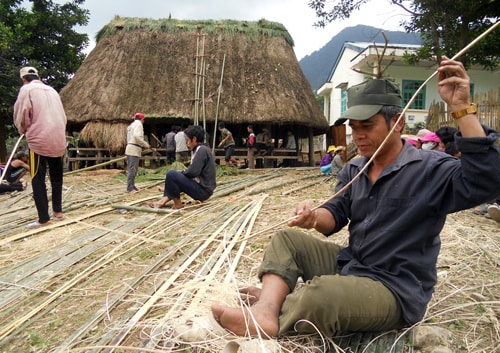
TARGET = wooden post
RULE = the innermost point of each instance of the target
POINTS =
(310, 132)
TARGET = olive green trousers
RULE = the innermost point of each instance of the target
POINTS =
(327, 302)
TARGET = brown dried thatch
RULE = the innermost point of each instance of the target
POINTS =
(151, 65)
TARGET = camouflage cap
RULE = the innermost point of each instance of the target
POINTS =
(366, 99)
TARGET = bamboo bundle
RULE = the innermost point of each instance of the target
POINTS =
(196, 289)
(131, 285)
(146, 209)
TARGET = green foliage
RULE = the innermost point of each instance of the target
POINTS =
(420, 125)
(52, 43)
(446, 26)
(222, 170)
(41, 36)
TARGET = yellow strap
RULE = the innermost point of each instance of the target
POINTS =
(34, 164)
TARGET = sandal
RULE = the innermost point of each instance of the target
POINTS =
(35, 225)
(481, 210)
(494, 212)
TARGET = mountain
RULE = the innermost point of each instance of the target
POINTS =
(317, 66)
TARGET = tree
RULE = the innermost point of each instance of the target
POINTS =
(446, 26)
(42, 37)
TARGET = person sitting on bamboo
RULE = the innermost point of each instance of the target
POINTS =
(198, 180)
(385, 276)
(17, 168)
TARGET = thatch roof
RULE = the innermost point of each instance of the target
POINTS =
(150, 66)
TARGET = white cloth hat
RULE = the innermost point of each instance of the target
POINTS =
(28, 70)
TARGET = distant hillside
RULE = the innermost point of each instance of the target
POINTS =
(317, 66)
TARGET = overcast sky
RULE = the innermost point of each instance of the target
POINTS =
(295, 15)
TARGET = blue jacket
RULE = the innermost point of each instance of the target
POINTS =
(202, 168)
(394, 224)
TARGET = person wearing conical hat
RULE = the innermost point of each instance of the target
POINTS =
(325, 165)
(394, 199)
(332, 162)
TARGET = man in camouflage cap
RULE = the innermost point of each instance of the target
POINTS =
(384, 278)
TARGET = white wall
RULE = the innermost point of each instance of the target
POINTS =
(483, 81)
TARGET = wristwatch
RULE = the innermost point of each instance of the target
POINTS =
(470, 110)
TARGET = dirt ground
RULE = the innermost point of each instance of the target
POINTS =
(113, 276)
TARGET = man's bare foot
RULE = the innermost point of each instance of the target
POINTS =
(178, 204)
(58, 216)
(247, 323)
(157, 204)
(250, 294)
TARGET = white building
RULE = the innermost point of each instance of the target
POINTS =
(364, 57)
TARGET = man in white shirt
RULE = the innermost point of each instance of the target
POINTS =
(181, 148)
(133, 151)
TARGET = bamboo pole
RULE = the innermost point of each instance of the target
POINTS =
(218, 100)
(303, 186)
(11, 155)
(196, 78)
(111, 256)
(147, 209)
(66, 221)
(96, 166)
(208, 271)
(202, 79)
(157, 139)
(165, 285)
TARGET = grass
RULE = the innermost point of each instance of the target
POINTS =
(253, 29)
(36, 341)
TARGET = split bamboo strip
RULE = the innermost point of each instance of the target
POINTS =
(99, 165)
(165, 285)
(234, 263)
(94, 267)
(14, 150)
(208, 271)
(227, 212)
(159, 263)
(147, 209)
(62, 223)
(300, 187)
(47, 267)
(279, 183)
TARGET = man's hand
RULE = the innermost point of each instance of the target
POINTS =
(454, 89)
(303, 216)
(454, 84)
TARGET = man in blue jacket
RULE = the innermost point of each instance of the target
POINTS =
(385, 277)
(198, 180)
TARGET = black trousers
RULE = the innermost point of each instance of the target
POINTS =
(38, 166)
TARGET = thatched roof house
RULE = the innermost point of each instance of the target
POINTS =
(162, 67)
